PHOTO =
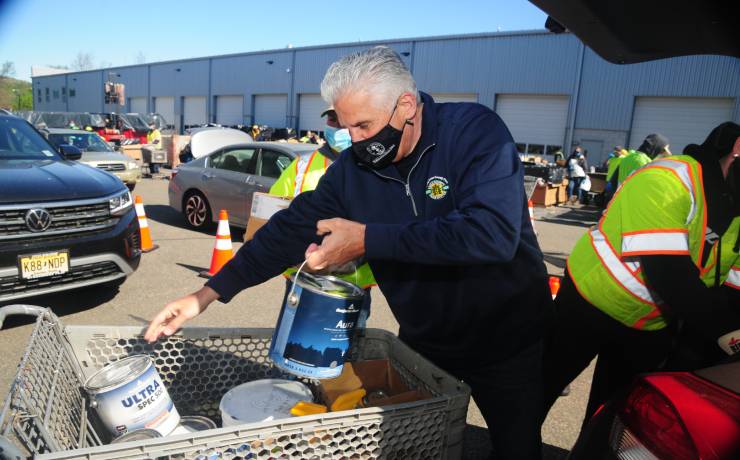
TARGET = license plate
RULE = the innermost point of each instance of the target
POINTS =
(43, 265)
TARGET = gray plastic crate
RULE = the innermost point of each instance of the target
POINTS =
(47, 415)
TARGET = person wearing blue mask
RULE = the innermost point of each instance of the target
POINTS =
(303, 175)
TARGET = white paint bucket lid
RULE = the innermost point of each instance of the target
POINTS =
(118, 373)
(262, 401)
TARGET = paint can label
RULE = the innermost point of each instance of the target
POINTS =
(141, 403)
(314, 336)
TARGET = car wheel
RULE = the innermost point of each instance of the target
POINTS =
(197, 211)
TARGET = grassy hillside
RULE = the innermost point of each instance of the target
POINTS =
(9, 99)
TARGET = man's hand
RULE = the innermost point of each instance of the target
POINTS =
(344, 240)
(174, 314)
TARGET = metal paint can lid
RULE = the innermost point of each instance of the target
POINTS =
(118, 373)
(193, 423)
(262, 401)
(137, 435)
(329, 286)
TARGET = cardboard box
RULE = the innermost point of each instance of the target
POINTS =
(598, 182)
(264, 206)
(133, 151)
(173, 145)
(545, 195)
(372, 375)
(563, 192)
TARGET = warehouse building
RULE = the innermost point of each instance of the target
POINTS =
(550, 89)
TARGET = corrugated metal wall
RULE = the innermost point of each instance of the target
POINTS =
(608, 90)
(533, 62)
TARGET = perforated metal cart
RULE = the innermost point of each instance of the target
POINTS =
(47, 415)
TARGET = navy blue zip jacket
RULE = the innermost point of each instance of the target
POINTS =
(451, 245)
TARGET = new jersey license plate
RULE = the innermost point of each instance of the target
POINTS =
(43, 265)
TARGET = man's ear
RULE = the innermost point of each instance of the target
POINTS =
(407, 105)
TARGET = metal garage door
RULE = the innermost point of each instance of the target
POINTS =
(165, 106)
(137, 105)
(454, 97)
(310, 108)
(683, 120)
(537, 122)
(229, 110)
(194, 110)
(271, 110)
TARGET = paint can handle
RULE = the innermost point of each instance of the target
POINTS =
(292, 299)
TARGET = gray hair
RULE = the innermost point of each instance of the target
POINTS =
(379, 71)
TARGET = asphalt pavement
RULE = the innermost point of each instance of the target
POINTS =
(172, 271)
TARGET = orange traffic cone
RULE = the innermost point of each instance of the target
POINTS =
(146, 237)
(530, 205)
(554, 286)
(222, 252)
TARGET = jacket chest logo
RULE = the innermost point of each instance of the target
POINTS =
(437, 187)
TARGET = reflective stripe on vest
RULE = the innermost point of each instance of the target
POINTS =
(670, 242)
(733, 278)
(618, 270)
(682, 170)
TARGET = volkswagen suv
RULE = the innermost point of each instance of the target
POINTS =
(63, 224)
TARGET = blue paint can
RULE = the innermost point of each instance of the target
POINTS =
(316, 325)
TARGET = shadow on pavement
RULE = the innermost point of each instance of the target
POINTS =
(583, 217)
(557, 259)
(477, 446)
(167, 215)
(192, 268)
(65, 303)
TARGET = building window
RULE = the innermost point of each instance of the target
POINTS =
(48, 96)
(72, 92)
(38, 93)
(56, 94)
(64, 90)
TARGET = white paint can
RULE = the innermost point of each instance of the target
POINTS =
(262, 401)
(129, 395)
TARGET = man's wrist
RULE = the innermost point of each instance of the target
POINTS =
(206, 296)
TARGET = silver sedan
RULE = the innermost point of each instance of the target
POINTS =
(227, 178)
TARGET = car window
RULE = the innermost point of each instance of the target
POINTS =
(18, 141)
(87, 142)
(238, 160)
(273, 163)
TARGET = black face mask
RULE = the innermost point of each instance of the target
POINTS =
(380, 150)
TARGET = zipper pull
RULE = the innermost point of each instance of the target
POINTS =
(408, 189)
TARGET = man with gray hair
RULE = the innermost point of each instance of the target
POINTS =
(432, 197)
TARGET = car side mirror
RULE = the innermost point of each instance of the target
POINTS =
(70, 152)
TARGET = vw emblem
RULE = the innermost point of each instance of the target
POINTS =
(376, 149)
(38, 220)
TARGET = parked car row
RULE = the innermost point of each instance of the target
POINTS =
(63, 223)
(116, 128)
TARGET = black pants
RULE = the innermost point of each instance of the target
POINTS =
(579, 332)
(509, 395)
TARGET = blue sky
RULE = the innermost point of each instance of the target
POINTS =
(47, 32)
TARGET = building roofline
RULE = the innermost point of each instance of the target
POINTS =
(315, 47)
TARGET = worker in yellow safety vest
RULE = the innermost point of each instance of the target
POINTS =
(154, 137)
(612, 166)
(657, 281)
(303, 175)
(653, 146)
